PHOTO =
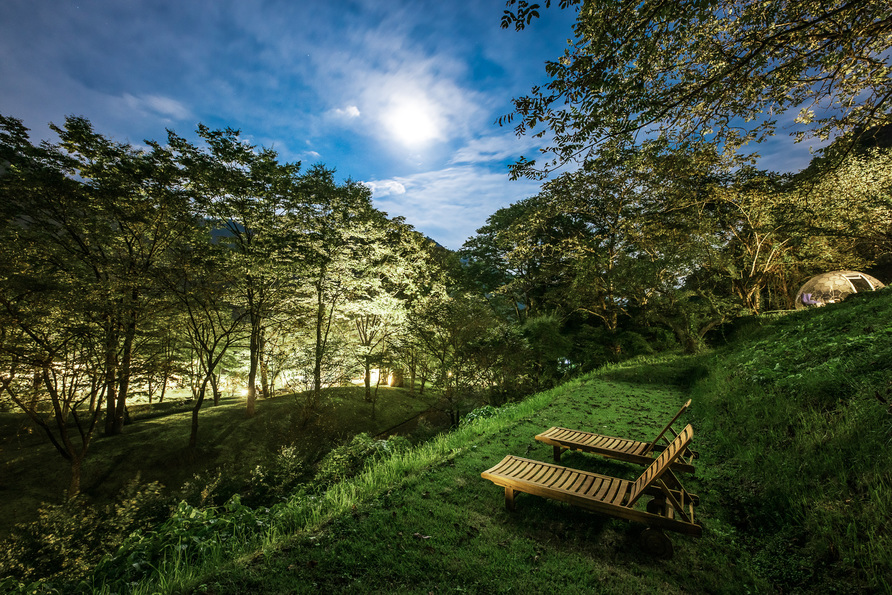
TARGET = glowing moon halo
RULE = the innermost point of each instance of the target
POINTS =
(413, 122)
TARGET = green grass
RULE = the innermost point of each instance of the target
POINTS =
(801, 443)
(425, 521)
(155, 447)
(793, 422)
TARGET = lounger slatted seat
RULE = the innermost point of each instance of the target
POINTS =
(672, 506)
(611, 447)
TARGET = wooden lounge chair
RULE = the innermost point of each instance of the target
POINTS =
(672, 507)
(631, 451)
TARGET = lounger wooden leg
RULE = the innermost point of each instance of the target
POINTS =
(557, 453)
(657, 506)
(509, 498)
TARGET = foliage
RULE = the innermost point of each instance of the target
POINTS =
(186, 536)
(348, 460)
(480, 413)
(69, 539)
(277, 480)
(721, 71)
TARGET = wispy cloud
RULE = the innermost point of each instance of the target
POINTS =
(449, 205)
(386, 188)
(495, 148)
(349, 112)
(166, 107)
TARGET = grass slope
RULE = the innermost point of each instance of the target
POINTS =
(793, 420)
(797, 416)
(437, 526)
(155, 446)
(794, 424)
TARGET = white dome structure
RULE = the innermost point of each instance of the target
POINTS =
(828, 288)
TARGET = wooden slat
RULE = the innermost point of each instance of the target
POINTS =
(623, 449)
(662, 463)
(600, 493)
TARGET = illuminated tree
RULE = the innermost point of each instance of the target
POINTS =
(98, 216)
(251, 200)
(211, 318)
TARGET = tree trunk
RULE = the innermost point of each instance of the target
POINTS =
(214, 389)
(252, 370)
(261, 360)
(193, 436)
(368, 378)
(111, 368)
(317, 366)
(127, 358)
(74, 486)
(256, 331)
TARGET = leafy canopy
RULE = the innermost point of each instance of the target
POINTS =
(721, 71)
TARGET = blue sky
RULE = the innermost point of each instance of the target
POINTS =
(401, 95)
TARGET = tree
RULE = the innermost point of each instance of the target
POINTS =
(252, 200)
(97, 215)
(518, 259)
(336, 251)
(210, 316)
(464, 340)
(719, 70)
(53, 372)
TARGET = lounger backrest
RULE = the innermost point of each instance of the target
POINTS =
(661, 464)
(667, 426)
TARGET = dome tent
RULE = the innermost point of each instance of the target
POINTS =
(834, 286)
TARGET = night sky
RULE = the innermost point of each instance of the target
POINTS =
(401, 95)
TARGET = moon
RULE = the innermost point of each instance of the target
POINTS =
(413, 121)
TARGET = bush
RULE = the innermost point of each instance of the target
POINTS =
(68, 539)
(484, 412)
(275, 481)
(191, 533)
(350, 459)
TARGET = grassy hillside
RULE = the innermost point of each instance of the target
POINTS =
(797, 416)
(154, 448)
(792, 420)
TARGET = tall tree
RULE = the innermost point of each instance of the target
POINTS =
(100, 214)
(251, 198)
(210, 316)
(337, 252)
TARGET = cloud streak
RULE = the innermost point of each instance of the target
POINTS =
(449, 205)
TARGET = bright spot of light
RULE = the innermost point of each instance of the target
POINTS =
(413, 121)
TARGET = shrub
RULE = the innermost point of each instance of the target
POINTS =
(191, 533)
(68, 539)
(484, 412)
(350, 459)
(277, 479)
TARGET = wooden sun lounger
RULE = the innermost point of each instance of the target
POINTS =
(672, 506)
(631, 451)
